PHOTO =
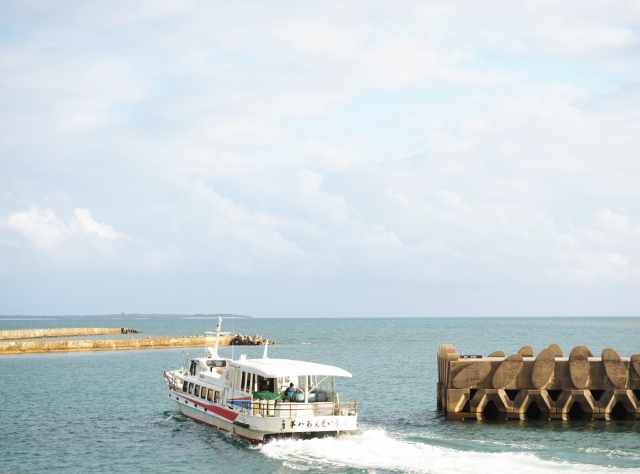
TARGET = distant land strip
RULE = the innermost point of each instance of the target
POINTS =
(15, 334)
(5, 317)
(30, 347)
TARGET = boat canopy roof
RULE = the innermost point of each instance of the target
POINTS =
(288, 367)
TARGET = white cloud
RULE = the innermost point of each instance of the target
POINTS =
(89, 226)
(44, 229)
(611, 221)
(333, 157)
(398, 197)
(452, 200)
(584, 37)
(41, 227)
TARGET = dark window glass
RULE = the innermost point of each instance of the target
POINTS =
(185, 386)
(203, 392)
(266, 385)
(216, 397)
(210, 395)
(191, 387)
(244, 377)
(197, 391)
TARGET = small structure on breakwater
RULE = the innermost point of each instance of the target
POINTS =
(547, 386)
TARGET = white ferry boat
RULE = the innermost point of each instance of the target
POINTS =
(262, 399)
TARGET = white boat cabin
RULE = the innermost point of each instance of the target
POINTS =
(241, 382)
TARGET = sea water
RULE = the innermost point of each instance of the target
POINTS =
(109, 411)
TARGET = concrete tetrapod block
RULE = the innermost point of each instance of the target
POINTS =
(579, 366)
(557, 350)
(568, 398)
(543, 368)
(526, 351)
(601, 399)
(635, 395)
(635, 361)
(496, 354)
(617, 371)
(456, 399)
(498, 397)
(508, 371)
(472, 374)
(627, 399)
(527, 397)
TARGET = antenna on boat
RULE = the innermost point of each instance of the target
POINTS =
(214, 353)
(266, 346)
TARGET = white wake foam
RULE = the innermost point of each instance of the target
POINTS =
(634, 455)
(374, 449)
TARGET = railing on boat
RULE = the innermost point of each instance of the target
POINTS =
(282, 409)
(174, 382)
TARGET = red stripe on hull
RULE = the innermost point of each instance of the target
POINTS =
(221, 412)
(251, 440)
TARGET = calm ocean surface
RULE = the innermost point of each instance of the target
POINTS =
(109, 411)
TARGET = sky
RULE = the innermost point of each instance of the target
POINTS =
(320, 159)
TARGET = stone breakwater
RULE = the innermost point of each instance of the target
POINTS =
(245, 340)
(543, 387)
(29, 347)
(14, 334)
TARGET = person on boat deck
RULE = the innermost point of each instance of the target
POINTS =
(289, 391)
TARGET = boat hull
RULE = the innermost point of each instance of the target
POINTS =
(259, 429)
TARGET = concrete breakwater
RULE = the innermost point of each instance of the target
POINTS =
(545, 387)
(14, 334)
(28, 347)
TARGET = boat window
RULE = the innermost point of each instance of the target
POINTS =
(243, 381)
(266, 385)
(302, 382)
(203, 393)
(239, 379)
(247, 387)
(185, 386)
(192, 369)
(232, 377)
(191, 387)
(196, 392)
(210, 395)
(216, 397)
(217, 363)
